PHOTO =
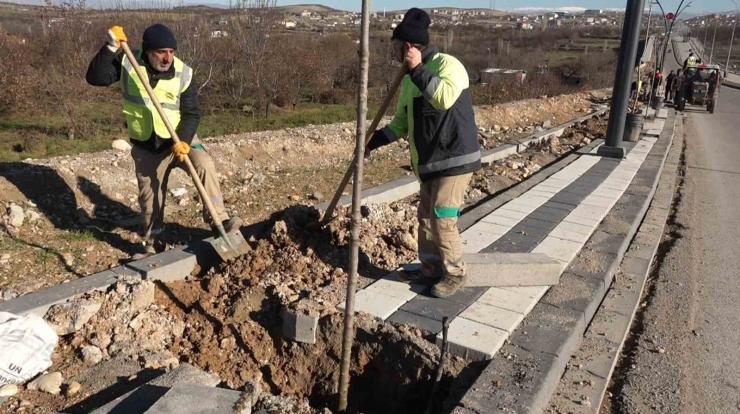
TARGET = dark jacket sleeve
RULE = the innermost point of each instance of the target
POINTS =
(189, 113)
(105, 68)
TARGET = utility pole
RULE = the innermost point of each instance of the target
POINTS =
(623, 79)
(729, 52)
(714, 36)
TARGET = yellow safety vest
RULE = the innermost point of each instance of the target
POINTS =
(692, 60)
(141, 115)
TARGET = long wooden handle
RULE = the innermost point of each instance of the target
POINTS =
(193, 173)
(378, 117)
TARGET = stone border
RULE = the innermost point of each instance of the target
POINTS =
(596, 359)
(178, 263)
(526, 371)
(407, 186)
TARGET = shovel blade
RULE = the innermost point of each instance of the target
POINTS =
(231, 246)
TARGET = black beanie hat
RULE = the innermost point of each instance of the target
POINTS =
(413, 27)
(158, 36)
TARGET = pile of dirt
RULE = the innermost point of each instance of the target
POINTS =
(300, 261)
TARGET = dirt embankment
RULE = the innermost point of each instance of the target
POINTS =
(79, 213)
(227, 320)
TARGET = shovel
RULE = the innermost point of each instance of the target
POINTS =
(227, 245)
(351, 170)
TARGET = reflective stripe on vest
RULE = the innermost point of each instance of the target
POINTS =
(141, 115)
(692, 60)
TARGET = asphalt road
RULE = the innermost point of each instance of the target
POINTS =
(684, 356)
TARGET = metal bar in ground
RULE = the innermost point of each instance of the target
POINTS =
(623, 80)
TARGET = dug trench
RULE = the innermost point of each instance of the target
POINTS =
(227, 320)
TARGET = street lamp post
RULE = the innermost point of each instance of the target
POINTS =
(623, 79)
(714, 36)
(729, 52)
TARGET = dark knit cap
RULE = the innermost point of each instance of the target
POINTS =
(413, 27)
(158, 36)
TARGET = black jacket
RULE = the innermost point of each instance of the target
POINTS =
(105, 70)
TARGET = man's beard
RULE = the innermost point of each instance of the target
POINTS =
(160, 67)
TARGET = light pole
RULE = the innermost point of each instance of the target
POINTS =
(734, 25)
(623, 79)
(714, 36)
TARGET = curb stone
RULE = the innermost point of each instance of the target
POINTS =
(543, 336)
(607, 334)
(176, 264)
(406, 186)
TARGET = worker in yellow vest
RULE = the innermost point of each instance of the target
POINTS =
(153, 150)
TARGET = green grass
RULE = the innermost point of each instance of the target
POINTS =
(40, 136)
(78, 236)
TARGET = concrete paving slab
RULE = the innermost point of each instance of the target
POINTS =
(425, 324)
(493, 316)
(578, 293)
(433, 308)
(496, 392)
(508, 300)
(549, 329)
(609, 325)
(474, 240)
(194, 399)
(376, 304)
(558, 249)
(472, 340)
(390, 287)
(511, 269)
(534, 292)
(490, 228)
(497, 218)
(515, 214)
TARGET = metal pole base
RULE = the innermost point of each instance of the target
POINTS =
(611, 152)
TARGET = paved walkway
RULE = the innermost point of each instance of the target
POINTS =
(556, 217)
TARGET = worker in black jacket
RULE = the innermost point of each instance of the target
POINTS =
(154, 151)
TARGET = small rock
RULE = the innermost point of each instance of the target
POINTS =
(69, 259)
(661, 351)
(25, 403)
(365, 211)
(347, 131)
(73, 388)
(9, 295)
(496, 128)
(92, 354)
(70, 317)
(114, 163)
(547, 124)
(142, 296)
(121, 145)
(15, 215)
(406, 240)
(317, 196)
(179, 192)
(8, 390)
(49, 383)
(554, 143)
(228, 343)
(32, 216)
(585, 403)
(295, 197)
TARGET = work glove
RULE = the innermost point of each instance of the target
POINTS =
(181, 150)
(378, 140)
(115, 37)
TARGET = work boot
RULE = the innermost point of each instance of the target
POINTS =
(143, 251)
(416, 277)
(230, 225)
(448, 286)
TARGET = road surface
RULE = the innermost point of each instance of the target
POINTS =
(684, 356)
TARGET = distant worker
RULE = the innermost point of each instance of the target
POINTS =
(692, 60)
(435, 110)
(153, 151)
(657, 79)
(669, 81)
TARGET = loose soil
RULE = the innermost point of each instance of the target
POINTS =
(88, 212)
